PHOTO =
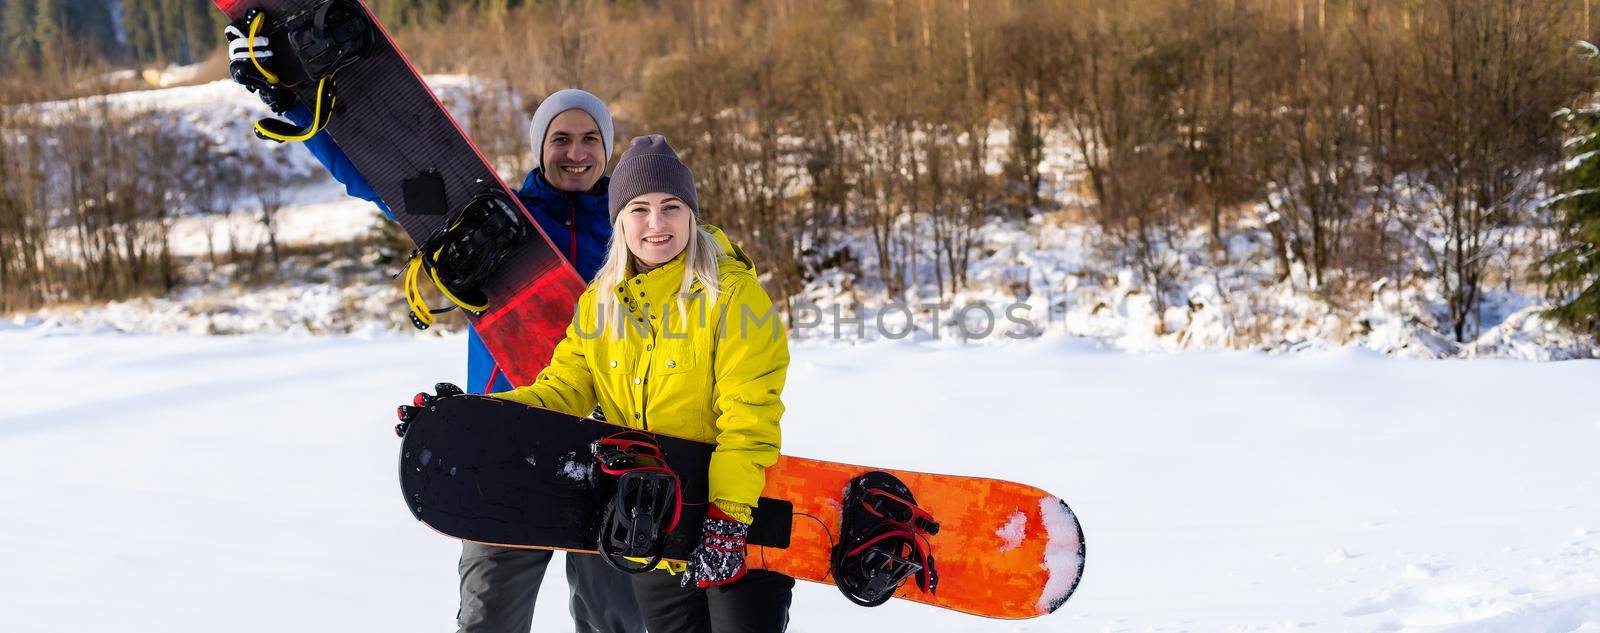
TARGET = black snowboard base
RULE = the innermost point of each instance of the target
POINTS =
(502, 473)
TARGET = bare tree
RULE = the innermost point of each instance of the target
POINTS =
(1472, 156)
(1123, 126)
(270, 189)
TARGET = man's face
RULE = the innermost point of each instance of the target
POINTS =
(574, 151)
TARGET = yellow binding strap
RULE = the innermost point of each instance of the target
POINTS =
(319, 119)
(448, 295)
(413, 292)
(414, 296)
(255, 27)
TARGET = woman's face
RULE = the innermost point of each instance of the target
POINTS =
(658, 227)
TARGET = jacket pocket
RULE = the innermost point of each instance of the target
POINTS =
(614, 357)
(674, 357)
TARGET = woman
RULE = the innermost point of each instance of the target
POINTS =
(676, 335)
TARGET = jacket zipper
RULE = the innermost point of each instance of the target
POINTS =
(572, 232)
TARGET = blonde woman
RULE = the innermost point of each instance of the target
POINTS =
(676, 335)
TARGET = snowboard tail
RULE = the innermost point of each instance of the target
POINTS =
(503, 473)
(1003, 549)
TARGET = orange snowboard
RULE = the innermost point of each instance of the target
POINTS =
(1004, 549)
(502, 473)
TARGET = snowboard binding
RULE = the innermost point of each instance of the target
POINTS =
(645, 505)
(321, 41)
(884, 540)
(462, 257)
(328, 38)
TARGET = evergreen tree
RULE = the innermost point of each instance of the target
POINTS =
(135, 23)
(169, 32)
(17, 34)
(1572, 273)
(205, 24)
(47, 17)
(92, 17)
(89, 24)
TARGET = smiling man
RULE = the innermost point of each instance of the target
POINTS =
(571, 134)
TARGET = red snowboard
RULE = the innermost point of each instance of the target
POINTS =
(393, 128)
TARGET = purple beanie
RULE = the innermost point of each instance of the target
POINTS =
(650, 166)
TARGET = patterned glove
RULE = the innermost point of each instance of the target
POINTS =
(246, 72)
(719, 559)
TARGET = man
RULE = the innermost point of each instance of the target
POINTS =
(571, 133)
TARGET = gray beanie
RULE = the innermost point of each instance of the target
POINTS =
(561, 101)
(650, 166)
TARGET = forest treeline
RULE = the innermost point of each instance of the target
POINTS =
(53, 35)
(1412, 141)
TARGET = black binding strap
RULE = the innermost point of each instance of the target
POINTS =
(645, 505)
(884, 541)
(330, 37)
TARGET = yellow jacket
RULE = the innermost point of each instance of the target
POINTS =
(715, 377)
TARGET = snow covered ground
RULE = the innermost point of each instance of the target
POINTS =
(156, 480)
(187, 483)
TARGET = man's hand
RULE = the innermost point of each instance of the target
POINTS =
(422, 401)
(250, 73)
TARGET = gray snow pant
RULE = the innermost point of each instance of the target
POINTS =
(756, 603)
(499, 586)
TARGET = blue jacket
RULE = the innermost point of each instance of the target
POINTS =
(578, 224)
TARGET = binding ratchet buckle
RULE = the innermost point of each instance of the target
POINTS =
(645, 505)
(884, 541)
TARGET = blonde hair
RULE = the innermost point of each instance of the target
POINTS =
(700, 257)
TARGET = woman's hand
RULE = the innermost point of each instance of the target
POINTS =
(719, 559)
